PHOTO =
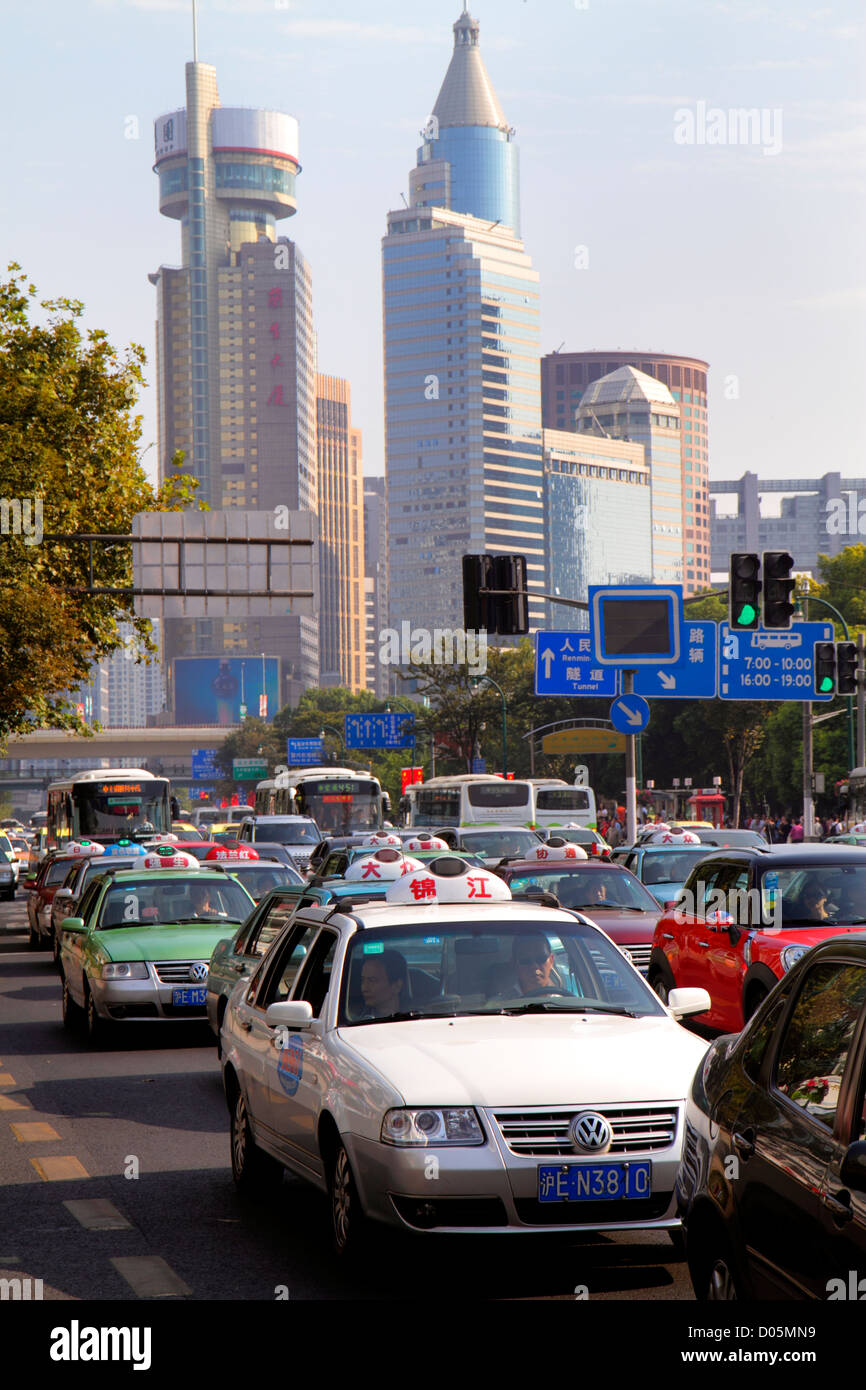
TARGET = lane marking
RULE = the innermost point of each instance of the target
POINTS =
(59, 1168)
(98, 1214)
(34, 1132)
(150, 1276)
(6, 1078)
(10, 1103)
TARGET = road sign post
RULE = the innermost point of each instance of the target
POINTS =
(632, 711)
(380, 731)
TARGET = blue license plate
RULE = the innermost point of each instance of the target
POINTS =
(594, 1182)
(191, 998)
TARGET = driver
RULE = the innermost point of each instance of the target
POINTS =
(814, 901)
(532, 961)
(200, 901)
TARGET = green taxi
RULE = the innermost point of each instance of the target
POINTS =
(139, 949)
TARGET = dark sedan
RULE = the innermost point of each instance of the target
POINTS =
(772, 1186)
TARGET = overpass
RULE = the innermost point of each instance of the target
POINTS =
(164, 745)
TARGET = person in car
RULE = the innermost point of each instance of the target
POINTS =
(814, 900)
(531, 967)
(384, 984)
(201, 902)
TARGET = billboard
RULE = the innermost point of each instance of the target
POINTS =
(211, 689)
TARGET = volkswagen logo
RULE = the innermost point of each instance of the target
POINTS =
(198, 971)
(590, 1132)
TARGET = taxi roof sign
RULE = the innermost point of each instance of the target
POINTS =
(557, 849)
(223, 853)
(449, 880)
(421, 842)
(383, 865)
(84, 847)
(167, 857)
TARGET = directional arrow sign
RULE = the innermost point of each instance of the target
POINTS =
(694, 675)
(564, 665)
(630, 714)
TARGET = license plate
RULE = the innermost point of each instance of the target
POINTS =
(193, 997)
(594, 1182)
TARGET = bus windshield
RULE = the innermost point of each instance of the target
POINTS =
(341, 806)
(117, 808)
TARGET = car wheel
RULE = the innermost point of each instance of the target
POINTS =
(70, 1010)
(349, 1226)
(252, 1169)
(660, 985)
(715, 1279)
(55, 949)
(678, 1241)
(97, 1028)
(33, 943)
(722, 1286)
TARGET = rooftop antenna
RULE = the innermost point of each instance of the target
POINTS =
(194, 33)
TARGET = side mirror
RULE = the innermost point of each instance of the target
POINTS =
(685, 1002)
(853, 1171)
(293, 1014)
(671, 904)
(72, 924)
(719, 921)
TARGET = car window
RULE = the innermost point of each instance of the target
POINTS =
(812, 1055)
(88, 899)
(276, 985)
(315, 981)
(759, 1036)
(269, 927)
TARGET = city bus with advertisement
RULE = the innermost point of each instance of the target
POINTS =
(107, 804)
(473, 798)
(341, 800)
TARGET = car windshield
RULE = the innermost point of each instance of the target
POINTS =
(259, 881)
(148, 902)
(496, 844)
(669, 867)
(591, 888)
(816, 894)
(458, 969)
(288, 832)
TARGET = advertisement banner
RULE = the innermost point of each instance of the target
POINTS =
(212, 689)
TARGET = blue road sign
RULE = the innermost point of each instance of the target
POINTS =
(771, 665)
(630, 714)
(304, 752)
(380, 730)
(204, 763)
(479, 764)
(564, 665)
(636, 624)
(695, 675)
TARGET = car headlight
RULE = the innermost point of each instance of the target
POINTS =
(418, 1128)
(791, 954)
(125, 970)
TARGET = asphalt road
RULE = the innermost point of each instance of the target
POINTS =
(123, 1190)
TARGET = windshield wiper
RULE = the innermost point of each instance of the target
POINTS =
(407, 1017)
(540, 1006)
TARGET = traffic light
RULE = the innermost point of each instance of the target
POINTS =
(825, 668)
(503, 613)
(846, 668)
(778, 587)
(744, 592)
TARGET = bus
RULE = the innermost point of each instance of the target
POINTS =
(558, 804)
(107, 804)
(472, 798)
(856, 813)
(341, 800)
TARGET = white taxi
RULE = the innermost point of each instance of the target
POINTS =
(450, 1060)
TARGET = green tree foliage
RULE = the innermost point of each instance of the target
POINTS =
(844, 583)
(69, 447)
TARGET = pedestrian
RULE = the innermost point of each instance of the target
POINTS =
(797, 831)
(783, 830)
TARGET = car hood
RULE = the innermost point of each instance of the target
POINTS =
(163, 943)
(802, 936)
(622, 927)
(537, 1059)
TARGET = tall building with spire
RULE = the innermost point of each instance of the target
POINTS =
(464, 460)
(236, 347)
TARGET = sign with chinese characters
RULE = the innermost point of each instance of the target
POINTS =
(204, 764)
(304, 752)
(380, 730)
(775, 664)
(249, 769)
(694, 675)
(565, 665)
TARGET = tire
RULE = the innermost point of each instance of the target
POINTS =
(70, 1010)
(678, 1241)
(33, 942)
(715, 1278)
(253, 1170)
(659, 984)
(98, 1029)
(350, 1228)
(55, 949)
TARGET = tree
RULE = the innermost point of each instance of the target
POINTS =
(844, 583)
(69, 462)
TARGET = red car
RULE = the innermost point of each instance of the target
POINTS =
(744, 917)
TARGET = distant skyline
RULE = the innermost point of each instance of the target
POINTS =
(749, 255)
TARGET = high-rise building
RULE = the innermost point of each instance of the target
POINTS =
(463, 416)
(817, 516)
(631, 405)
(342, 622)
(599, 518)
(565, 377)
(375, 581)
(236, 348)
(136, 689)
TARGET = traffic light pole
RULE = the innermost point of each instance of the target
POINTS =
(861, 700)
(808, 767)
(630, 770)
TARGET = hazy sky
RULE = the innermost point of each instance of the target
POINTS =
(750, 255)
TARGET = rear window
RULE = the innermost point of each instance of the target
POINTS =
(562, 799)
(499, 794)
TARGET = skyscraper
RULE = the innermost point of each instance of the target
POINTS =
(236, 348)
(342, 624)
(462, 378)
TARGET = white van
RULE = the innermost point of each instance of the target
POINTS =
(558, 804)
(203, 816)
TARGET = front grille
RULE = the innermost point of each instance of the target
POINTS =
(592, 1213)
(175, 972)
(640, 952)
(544, 1133)
(451, 1211)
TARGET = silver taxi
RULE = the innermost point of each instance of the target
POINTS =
(452, 1061)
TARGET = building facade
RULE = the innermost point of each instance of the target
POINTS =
(342, 622)
(819, 516)
(463, 417)
(236, 347)
(376, 581)
(565, 377)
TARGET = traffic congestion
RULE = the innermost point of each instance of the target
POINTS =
(468, 1024)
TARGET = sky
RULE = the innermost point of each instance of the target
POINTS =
(648, 231)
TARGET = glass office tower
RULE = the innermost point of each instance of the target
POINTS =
(462, 357)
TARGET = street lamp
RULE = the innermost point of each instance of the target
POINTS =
(490, 681)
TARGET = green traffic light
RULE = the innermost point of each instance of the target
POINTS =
(826, 685)
(746, 615)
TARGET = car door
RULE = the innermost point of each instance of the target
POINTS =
(783, 1135)
(691, 939)
(843, 1208)
(724, 954)
(300, 1072)
(74, 943)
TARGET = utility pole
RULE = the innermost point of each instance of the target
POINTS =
(808, 770)
(861, 700)
(630, 770)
